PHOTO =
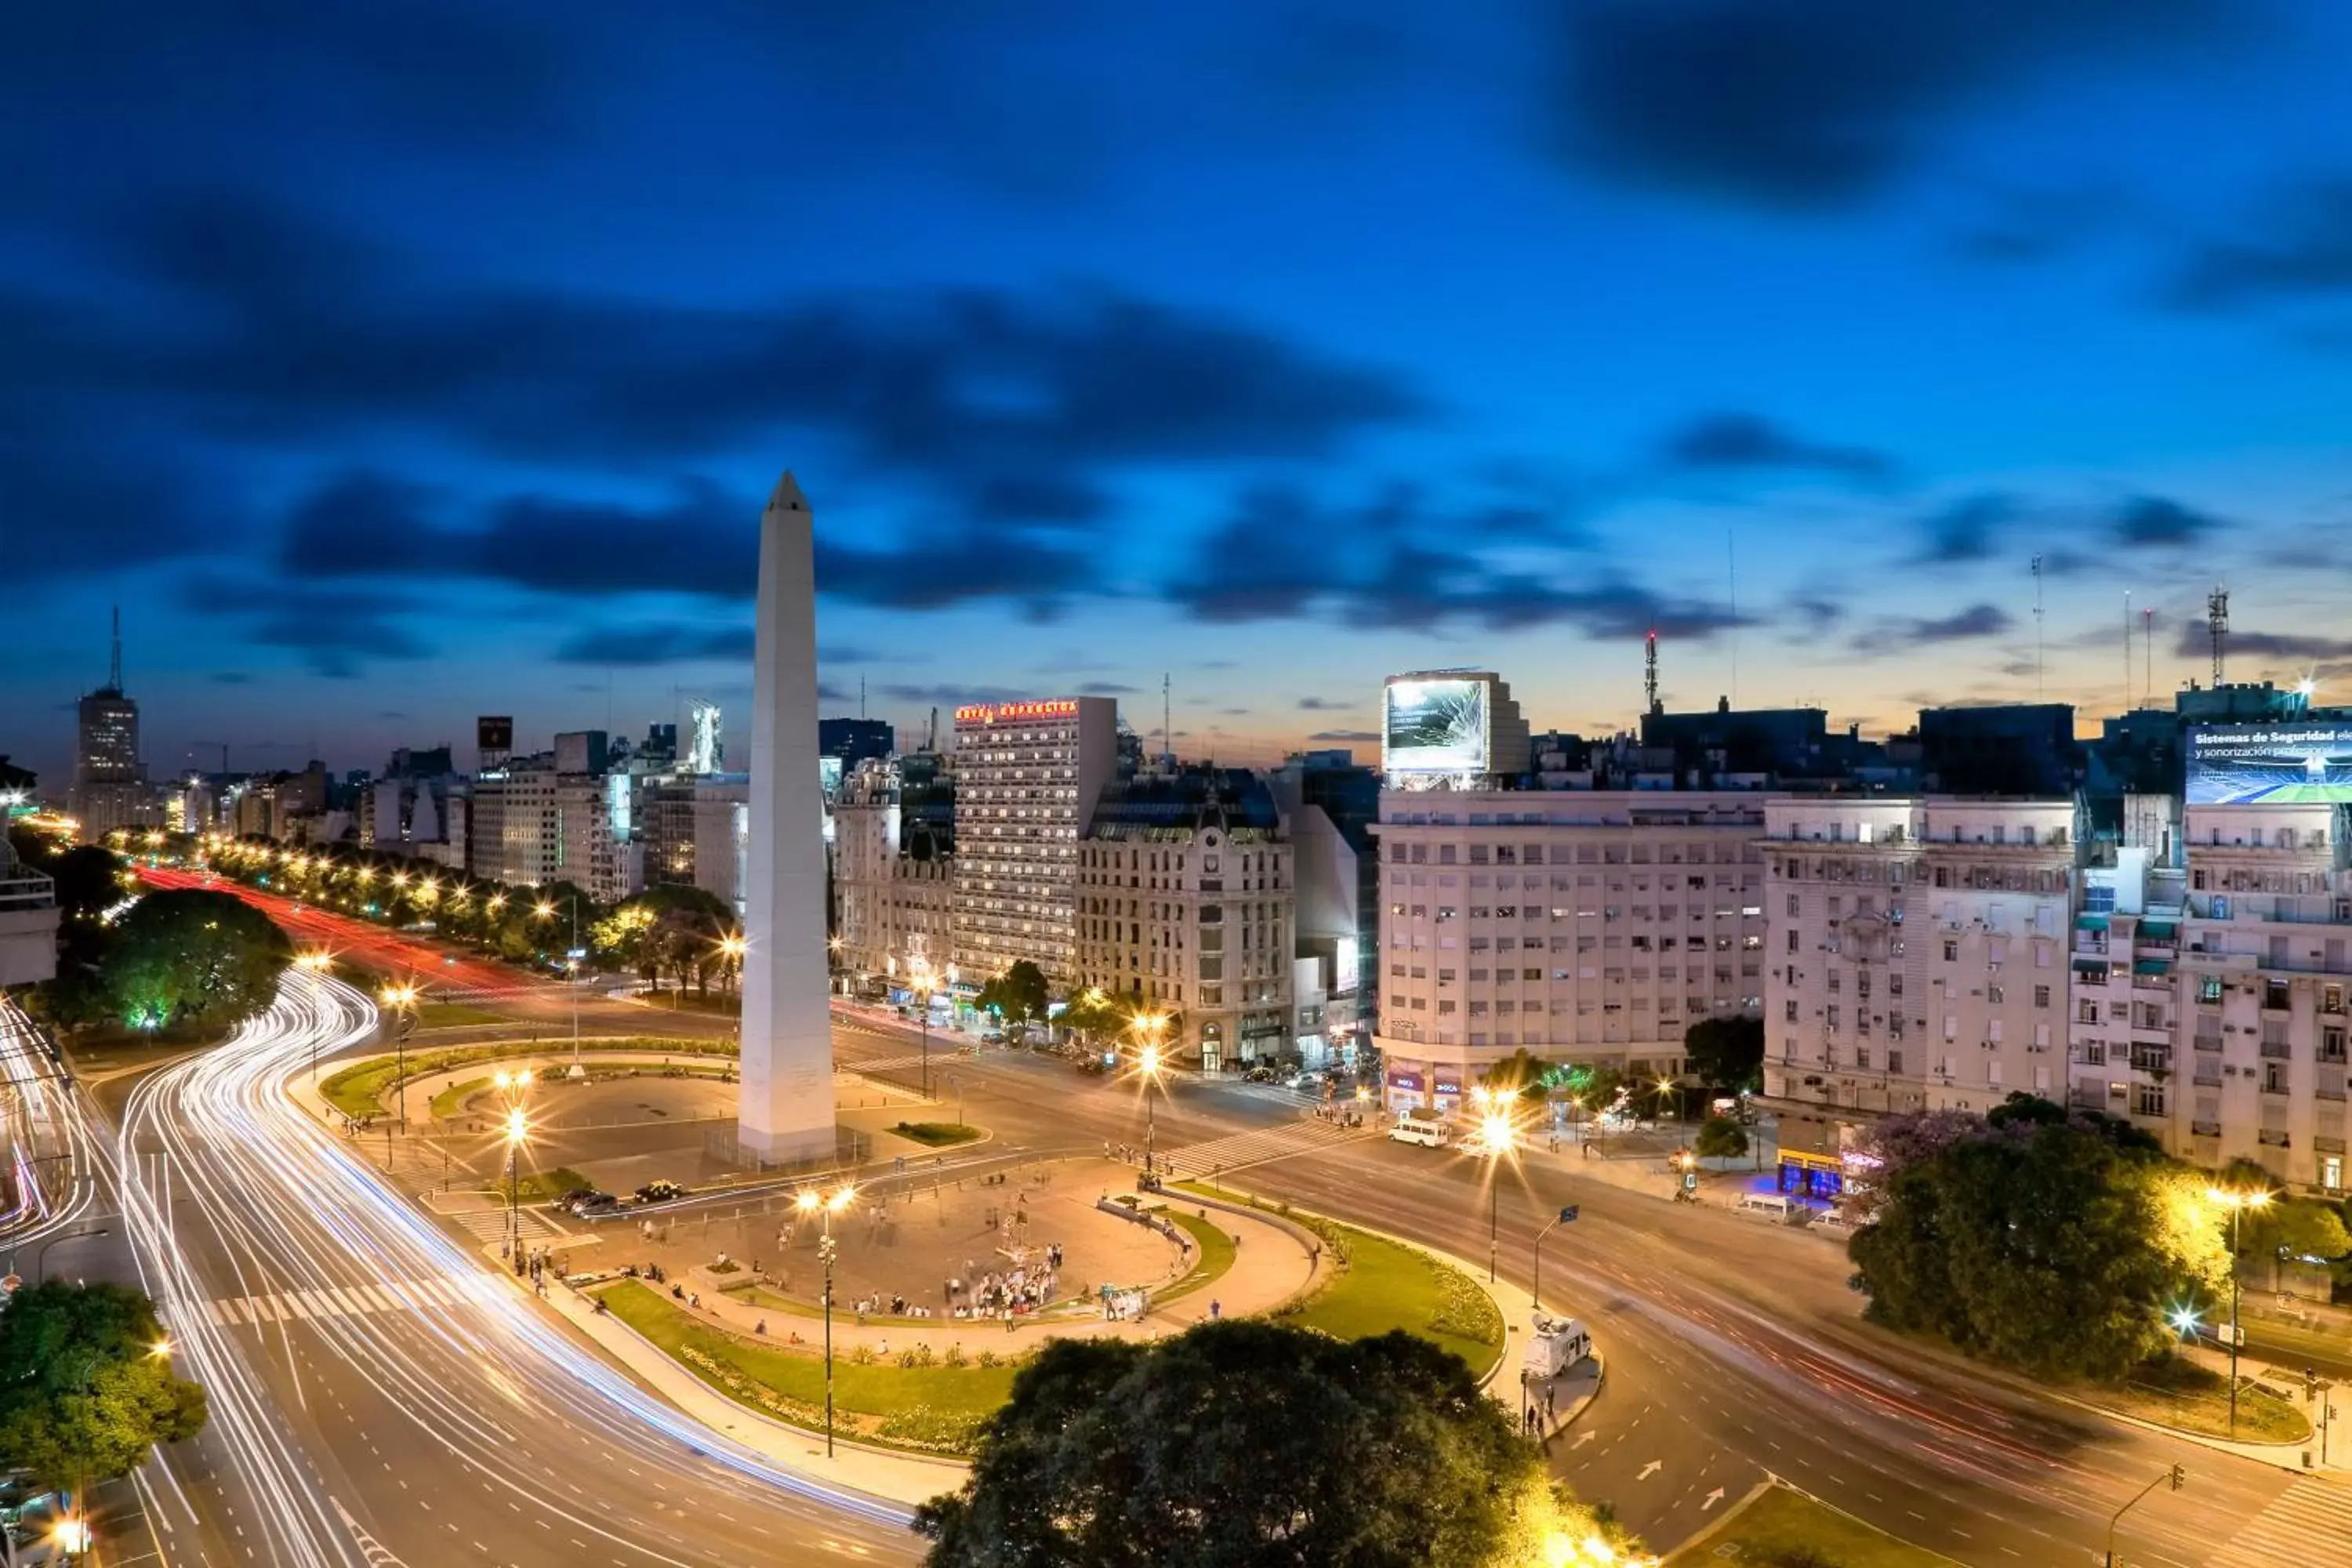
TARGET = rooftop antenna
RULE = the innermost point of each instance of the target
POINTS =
(2038, 692)
(1731, 580)
(2217, 621)
(2127, 642)
(1167, 716)
(1650, 673)
(861, 697)
(2148, 656)
(114, 664)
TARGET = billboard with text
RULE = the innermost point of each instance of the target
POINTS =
(1436, 725)
(2268, 764)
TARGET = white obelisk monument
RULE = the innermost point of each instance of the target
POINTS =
(786, 1113)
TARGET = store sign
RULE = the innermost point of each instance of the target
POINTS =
(1449, 1086)
(2270, 765)
(1007, 713)
(1408, 1081)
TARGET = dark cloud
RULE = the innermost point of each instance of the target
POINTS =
(390, 713)
(1814, 614)
(68, 511)
(2196, 641)
(828, 692)
(1898, 633)
(1813, 105)
(1105, 689)
(655, 643)
(231, 678)
(2155, 523)
(1041, 499)
(1734, 442)
(2301, 249)
(938, 568)
(1359, 737)
(857, 653)
(1319, 705)
(337, 631)
(1968, 529)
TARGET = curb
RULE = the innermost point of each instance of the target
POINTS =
(2286, 1459)
(1722, 1522)
(1289, 1227)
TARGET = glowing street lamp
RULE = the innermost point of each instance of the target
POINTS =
(1147, 1066)
(2237, 1202)
(518, 1133)
(825, 1206)
(400, 997)
(1496, 1138)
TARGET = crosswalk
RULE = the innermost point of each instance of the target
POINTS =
(490, 1225)
(2310, 1523)
(425, 1295)
(1240, 1149)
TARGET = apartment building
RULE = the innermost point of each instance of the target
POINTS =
(1583, 926)
(694, 832)
(2217, 1020)
(893, 881)
(1916, 960)
(1027, 776)
(1186, 902)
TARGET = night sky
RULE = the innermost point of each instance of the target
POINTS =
(393, 362)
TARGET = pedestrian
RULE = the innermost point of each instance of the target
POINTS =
(1216, 1309)
(1551, 1393)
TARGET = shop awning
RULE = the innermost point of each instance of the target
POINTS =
(2152, 966)
(2090, 922)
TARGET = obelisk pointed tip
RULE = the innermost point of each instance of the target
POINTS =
(787, 496)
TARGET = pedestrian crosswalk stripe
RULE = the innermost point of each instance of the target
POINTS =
(393, 1296)
(1239, 1148)
(2309, 1522)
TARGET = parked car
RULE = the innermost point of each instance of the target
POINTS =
(659, 1191)
(588, 1201)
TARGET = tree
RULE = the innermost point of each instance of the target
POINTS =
(195, 958)
(1597, 1086)
(1096, 1014)
(1720, 1138)
(1018, 995)
(1212, 1449)
(1728, 1053)
(1527, 1076)
(83, 1393)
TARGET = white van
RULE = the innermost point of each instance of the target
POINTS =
(1557, 1344)
(1422, 1128)
(1773, 1207)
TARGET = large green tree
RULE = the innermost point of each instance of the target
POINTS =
(1239, 1444)
(1521, 1074)
(1728, 1053)
(195, 958)
(85, 1389)
(1018, 995)
(1720, 1138)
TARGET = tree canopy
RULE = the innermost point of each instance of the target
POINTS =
(1018, 995)
(2054, 1246)
(196, 958)
(1728, 1053)
(1720, 1138)
(1527, 1076)
(1214, 1449)
(82, 1393)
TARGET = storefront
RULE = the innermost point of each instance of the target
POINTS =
(1407, 1086)
(1804, 1175)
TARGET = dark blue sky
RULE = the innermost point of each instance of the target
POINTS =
(394, 362)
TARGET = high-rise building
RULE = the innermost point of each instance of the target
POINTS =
(694, 832)
(893, 883)
(1916, 957)
(851, 741)
(110, 789)
(1588, 927)
(1027, 776)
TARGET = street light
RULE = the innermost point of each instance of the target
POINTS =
(919, 972)
(1566, 1217)
(1147, 1063)
(400, 998)
(1496, 1136)
(41, 1252)
(518, 1129)
(826, 1207)
(2238, 1203)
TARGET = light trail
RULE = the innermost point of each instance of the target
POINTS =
(56, 1191)
(296, 1211)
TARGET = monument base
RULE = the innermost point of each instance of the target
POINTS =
(766, 1149)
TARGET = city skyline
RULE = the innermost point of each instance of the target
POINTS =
(1489, 340)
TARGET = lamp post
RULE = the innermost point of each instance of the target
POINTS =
(41, 1252)
(2238, 1203)
(1148, 1064)
(1498, 1134)
(826, 1207)
(318, 962)
(400, 998)
(1566, 1217)
(512, 1086)
(919, 973)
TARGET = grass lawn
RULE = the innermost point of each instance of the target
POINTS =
(937, 1409)
(1781, 1520)
(2180, 1393)
(445, 1015)
(543, 1186)
(1382, 1285)
(1212, 1254)
(452, 1099)
(762, 1297)
(937, 1134)
(359, 1089)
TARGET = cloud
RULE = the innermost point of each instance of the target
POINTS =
(1105, 689)
(71, 509)
(336, 630)
(2196, 641)
(231, 678)
(828, 692)
(1815, 613)
(2153, 522)
(390, 713)
(1819, 105)
(1359, 737)
(1319, 705)
(655, 643)
(950, 695)
(1968, 529)
(1734, 442)
(937, 567)
(2301, 249)
(1900, 634)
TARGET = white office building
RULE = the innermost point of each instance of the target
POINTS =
(1581, 926)
(1027, 777)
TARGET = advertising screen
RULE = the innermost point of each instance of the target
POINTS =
(2268, 764)
(494, 733)
(1435, 726)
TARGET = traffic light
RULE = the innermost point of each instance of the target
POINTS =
(2178, 1476)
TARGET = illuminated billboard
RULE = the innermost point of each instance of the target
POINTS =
(2268, 764)
(1435, 725)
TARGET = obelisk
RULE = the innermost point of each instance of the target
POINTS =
(786, 1110)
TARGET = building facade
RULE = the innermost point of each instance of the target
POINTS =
(892, 884)
(1916, 958)
(1588, 927)
(1027, 777)
(1188, 908)
(694, 832)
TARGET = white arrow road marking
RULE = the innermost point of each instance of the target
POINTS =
(1582, 1438)
(1712, 1499)
(1651, 1468)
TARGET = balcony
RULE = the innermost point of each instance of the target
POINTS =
(2206, 1129)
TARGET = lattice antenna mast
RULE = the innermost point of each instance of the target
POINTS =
(2038, 692)
(2217, 621)
(2148, 658)
(1650, 675)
